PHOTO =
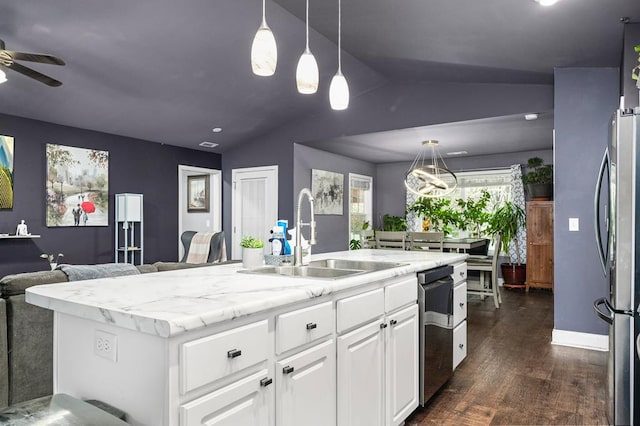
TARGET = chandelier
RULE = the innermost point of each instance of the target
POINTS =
(428, 175)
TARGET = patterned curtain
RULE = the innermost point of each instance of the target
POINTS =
(414, 224)
(517, 197)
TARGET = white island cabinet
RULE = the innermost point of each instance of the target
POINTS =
(214, 346)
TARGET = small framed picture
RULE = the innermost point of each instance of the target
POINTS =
(198, 193)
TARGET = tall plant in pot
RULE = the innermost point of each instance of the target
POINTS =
(538, 179)
(507, 220)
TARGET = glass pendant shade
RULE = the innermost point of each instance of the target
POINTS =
(264, 52)
(3, 77)
(307, 75)
(339, 92)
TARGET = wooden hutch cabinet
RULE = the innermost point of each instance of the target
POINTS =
(540, 244)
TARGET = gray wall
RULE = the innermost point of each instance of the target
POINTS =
(585, 98)
(332, 230)
(390, 194)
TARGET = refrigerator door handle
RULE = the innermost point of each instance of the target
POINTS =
(596, 212)
(608, 318)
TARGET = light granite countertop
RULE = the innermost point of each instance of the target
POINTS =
(173, 302)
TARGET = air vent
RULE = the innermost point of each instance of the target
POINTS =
(206, 144)
(457, 153)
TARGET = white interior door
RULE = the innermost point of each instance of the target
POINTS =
(254, 204)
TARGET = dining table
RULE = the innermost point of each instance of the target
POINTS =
(463, 244)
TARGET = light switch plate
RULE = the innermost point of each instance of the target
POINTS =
(574, 224)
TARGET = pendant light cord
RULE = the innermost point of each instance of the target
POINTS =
(339, 35)
(307, 25)
(264, 14)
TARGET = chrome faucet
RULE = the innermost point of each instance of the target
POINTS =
(297, 261)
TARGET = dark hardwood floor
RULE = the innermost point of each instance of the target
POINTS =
(514, 376)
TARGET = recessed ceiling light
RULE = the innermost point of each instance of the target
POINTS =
(457, 153)
(530, 117)
(216, 129)
(206, 144)
(547, 2)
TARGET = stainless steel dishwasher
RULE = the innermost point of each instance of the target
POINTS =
(435, 299)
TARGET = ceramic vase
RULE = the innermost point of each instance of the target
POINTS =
(252, 258)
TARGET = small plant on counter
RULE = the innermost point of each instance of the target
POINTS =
(251, 242)
(355, 244)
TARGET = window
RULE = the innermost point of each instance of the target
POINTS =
(360, 203)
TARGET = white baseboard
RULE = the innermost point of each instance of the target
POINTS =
(576, 339)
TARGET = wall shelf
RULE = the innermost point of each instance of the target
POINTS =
(18, 237)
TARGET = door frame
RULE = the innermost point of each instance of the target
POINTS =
(215, 215)
(362, 177)
(236, 252)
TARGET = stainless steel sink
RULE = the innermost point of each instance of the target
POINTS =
(363, 265)
(304, 271)
(325, 269)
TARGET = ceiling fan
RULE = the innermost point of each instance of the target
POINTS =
(8, 59)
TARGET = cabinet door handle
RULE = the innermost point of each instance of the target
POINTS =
(266, 382)
(383, 325)
(234, 353)
(461, 304)
(288, 369)
(461, 345)
(393, 322)
(311, 326)
(461, 273)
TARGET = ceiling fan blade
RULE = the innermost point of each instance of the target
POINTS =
(35, 57)
(34, 74)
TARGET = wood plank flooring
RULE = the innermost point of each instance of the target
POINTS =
(514, 376)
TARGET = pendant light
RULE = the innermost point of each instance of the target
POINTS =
(339, 89)
(3, 77)
(264, 52)
(307, 71)
(430, 179)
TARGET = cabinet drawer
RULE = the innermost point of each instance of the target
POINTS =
(205, 360)
(303, 325)
(459, 273)
(459, 303)
(356, 310)
(459, 343)
(245, 402)
(400, 294)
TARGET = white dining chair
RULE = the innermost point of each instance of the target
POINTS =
(487, 265)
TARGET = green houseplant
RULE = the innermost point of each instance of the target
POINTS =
(252, 252)
(393, 223)
(438, 211)
(473, 213)
(538, 179)
(507, 220)
(635, 72)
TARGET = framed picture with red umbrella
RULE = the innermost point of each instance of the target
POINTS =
(77, 186)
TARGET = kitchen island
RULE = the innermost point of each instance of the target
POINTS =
(149, 344)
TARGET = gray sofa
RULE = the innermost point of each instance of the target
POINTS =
(26, 334)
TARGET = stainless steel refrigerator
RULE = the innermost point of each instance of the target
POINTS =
(616, 215)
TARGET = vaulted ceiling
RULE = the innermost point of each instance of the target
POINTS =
(169, 71)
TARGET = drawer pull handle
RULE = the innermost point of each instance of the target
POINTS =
(288, 369)
(234, 353)
(462, 273)
(461, 345)
(266, 382)
(383, 325)
(312, 325)
(393, 322)
(461, 304)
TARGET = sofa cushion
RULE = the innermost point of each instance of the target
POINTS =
(146, 268)
(16, 283)
(4, 368)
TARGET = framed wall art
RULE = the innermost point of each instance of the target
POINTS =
(328, 192)
(198, 193)
(77, 186)
(6, 172)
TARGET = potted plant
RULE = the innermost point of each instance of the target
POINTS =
(507, 220)
(474, 216)
(438, 211)
(252, 252)
(394, 223)
(538, 179)
(53, 261)
(635, 72)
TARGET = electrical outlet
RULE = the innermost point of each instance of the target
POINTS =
(106, 345)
